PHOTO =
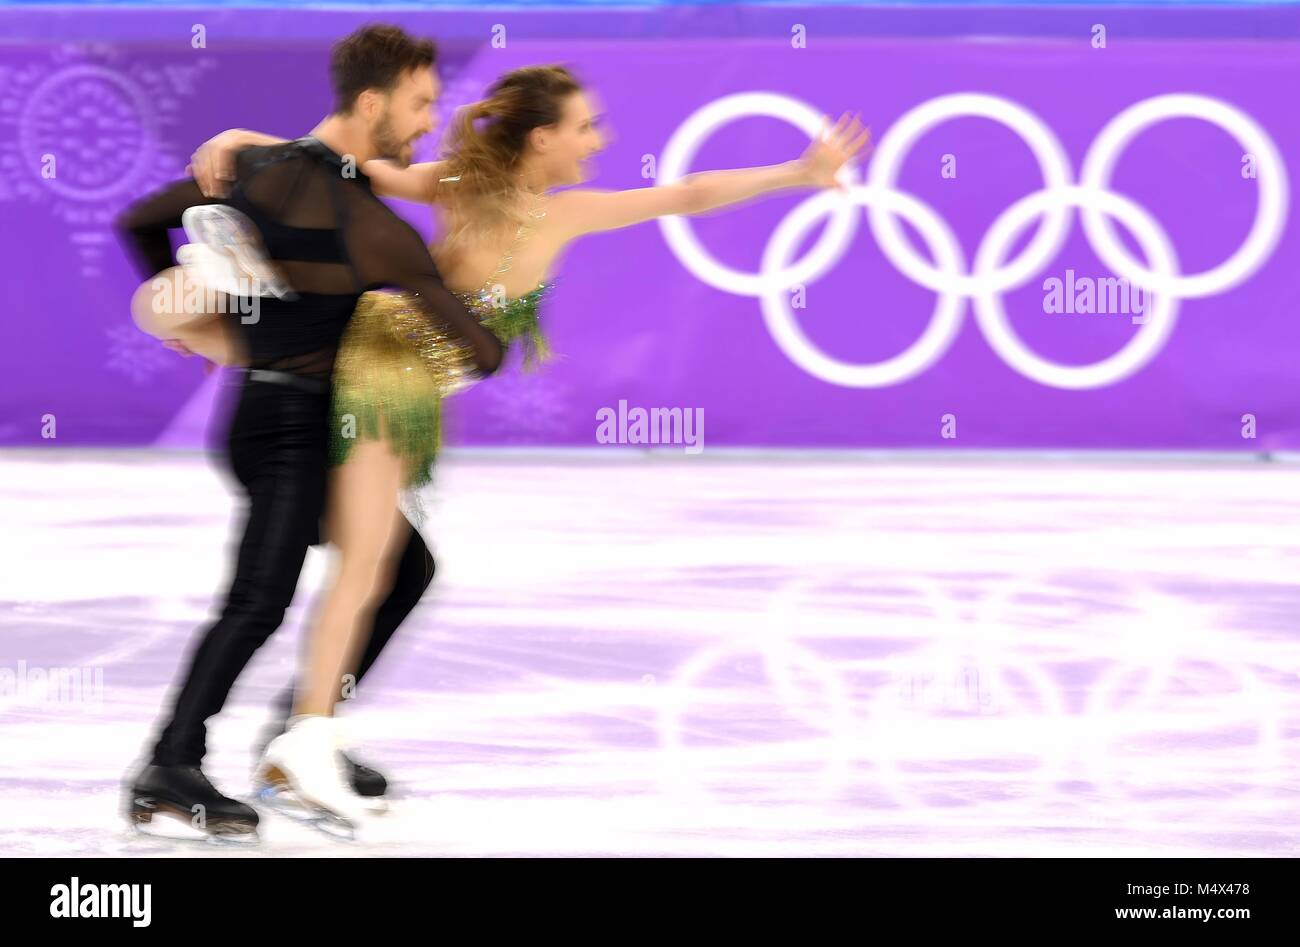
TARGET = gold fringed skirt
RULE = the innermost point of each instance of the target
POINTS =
(390, 376)
(393, 371)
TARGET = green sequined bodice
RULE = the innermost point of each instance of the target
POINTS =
(396, 368)
(511, 319)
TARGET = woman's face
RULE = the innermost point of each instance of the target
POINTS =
(571, 142)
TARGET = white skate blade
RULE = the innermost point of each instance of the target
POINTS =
(288, 803)
(174, 828)
(285, 799)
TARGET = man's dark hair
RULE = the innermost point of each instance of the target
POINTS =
(375, 57)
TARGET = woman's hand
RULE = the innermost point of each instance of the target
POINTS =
(213, 165)
(829, 151)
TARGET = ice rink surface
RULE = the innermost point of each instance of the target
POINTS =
(706, 655)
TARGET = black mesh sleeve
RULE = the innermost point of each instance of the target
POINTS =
(144, 226)
(394, 255)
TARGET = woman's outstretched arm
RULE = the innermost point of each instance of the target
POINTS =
(415, 182)
(580, 212)
(213, 167)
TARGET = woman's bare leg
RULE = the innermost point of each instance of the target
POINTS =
(159, 308)
(368, 530)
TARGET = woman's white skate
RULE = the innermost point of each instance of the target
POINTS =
(300, 776)
(225, 252)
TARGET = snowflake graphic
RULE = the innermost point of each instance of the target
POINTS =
(460, 86)
(137, 356)
(527, 407)
(84, 130)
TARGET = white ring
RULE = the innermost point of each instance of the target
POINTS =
(887, 160)
(929, 348)
(1270, 212)
(676, 158)
(1146, 342)
(989, 277)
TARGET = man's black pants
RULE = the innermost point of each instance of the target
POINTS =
(277, 446)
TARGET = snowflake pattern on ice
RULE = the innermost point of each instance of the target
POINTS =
(136, 355)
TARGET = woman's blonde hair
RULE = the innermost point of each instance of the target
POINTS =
(488, 137)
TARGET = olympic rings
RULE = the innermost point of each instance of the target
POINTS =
(989, 276)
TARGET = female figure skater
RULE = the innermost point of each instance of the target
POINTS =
(503, 228)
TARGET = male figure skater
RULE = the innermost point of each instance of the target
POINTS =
(332, 240)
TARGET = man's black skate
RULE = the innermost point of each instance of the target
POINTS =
(179, 802)
(365, 781)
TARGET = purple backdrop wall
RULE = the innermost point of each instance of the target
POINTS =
(633, 322)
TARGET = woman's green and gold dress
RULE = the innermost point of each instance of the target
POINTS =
(393, 371)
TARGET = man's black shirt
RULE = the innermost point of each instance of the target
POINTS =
(330, 236)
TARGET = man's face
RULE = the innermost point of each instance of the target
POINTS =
(405, 115)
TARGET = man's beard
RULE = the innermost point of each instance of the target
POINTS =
(388, 146)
